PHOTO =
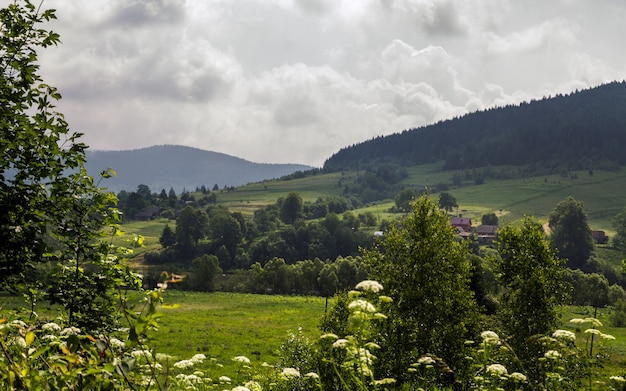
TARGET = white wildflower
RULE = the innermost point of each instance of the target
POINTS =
(606, 336)
(365, 356)
(224, 379)
(240, 388)
(497, 369)
(18, 322)
(182, 364)
(70, 331)
(369, 286)
(490, 337)
(49, 337)
(594, 322)
(253, 386)
(593, 331)
(242, 359)
(116, 343)
(516, 376)
(552, 354)
(198, 358)
(565, 335)
(140, 353)
(329, 336)
(163, 357)
(340, 343)
(291, 373)
(619, 379)
(425, 360)
(51, 326)
(362, 305)
(20, 341)
(312, 375)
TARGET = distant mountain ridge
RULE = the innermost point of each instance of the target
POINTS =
(585, 129)
(180, 167)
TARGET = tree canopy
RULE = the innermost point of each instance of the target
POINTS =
(433, 309)
(570, 232)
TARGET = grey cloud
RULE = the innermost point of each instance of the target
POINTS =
(139, 13)
(443, 18)
(313, 76)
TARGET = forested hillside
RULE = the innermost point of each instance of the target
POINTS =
(582, 130)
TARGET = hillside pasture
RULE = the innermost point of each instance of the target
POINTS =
(602, 192)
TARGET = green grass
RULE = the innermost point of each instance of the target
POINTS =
(602, 193)
(225, 325)
(615, 349)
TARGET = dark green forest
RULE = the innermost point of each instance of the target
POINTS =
(582, 130)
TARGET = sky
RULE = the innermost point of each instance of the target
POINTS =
(294, 81)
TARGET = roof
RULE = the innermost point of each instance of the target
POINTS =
(461, 221)
(487, 229)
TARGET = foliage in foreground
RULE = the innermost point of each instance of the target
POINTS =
(47, 355)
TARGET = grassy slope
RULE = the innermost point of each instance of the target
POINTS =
(603, 193)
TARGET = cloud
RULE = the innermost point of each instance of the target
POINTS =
(548, 35)
(295, 80)
(136, 14)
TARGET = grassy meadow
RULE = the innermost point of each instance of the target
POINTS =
(224, 325)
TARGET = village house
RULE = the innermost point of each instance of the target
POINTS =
(486, 233)
(465, 223)
(600, 237)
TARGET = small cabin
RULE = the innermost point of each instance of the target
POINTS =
(599, 237)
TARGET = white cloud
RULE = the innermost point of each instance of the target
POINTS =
(296, 80)
(548, 35)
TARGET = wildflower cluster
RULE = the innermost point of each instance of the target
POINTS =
(492, 358)
(353, 355)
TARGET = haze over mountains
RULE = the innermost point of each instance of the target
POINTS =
(180, 167)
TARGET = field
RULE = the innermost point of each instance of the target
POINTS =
(224, 325)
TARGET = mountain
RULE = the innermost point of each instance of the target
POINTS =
(180, 167)
(582, 130)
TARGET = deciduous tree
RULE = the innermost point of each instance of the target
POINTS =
(191, 226)
(38, 149)
(531, 274)
(570, 232)
(619, 224)
(50, 209)
(447, 201)
(291, 208)
(424, 268)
